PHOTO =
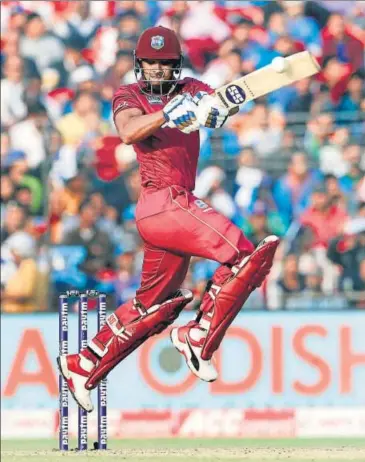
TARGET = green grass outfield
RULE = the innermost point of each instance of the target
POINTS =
(193, 450)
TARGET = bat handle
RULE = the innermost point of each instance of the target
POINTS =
(233, 111)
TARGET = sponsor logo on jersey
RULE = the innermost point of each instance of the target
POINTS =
(202, 205)
(154, 99)
(120, 106)
(157, 42)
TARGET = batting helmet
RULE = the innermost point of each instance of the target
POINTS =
(158, 43)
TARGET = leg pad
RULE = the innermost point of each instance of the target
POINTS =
(227, 298)
(126, 331)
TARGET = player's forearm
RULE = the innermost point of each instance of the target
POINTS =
(140, 127)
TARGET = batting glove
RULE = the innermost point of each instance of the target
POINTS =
(180, 113)
(210, 112)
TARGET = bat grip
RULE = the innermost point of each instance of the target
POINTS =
(233, 111)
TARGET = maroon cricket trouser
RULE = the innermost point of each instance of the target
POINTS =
(175, 225)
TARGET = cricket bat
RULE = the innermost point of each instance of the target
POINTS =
(267, 79)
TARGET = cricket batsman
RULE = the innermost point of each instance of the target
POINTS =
(160, 116)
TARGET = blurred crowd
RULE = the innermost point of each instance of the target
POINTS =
(291, 163)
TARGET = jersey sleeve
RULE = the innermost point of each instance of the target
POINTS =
(125, 99)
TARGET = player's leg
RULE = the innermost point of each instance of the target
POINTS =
(224, 297)
(157, 304)
(243, 269)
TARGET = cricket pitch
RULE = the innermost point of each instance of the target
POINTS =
(194, 450)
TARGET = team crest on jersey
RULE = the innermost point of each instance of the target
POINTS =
(154, 99)
(157, 42)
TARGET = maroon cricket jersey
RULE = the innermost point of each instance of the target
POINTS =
(168, 157)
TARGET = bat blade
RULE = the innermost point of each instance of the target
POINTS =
(265, 80)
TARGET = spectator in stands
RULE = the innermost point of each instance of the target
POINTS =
(125, 42)
(120, 72)
(11, 48)
(133, 183)
(15, 220)
(95, 129)
(224, 69)
(335, 76)
(292, 191)
(309, 296)
(290, 144)
(28, 135)
(66, 202)
(212, 26)
(13, 107)
(355, 93)
(319, 130)
(73, 127)
(331, 156)
(97, 243)
(324, 219)
(201, 272)
(72, 61)
(17, 171)
(20, 291)
(40, 45)
(127, 278)
(8, 155)
(293, 98)
(284, 45)
(263, 131)
(361, 211)
(303, 98)
(353, 156)
(313, 296)
(171, 15)
(84, 78)
(10, 45)
(129, 26)
(209, 187)
(340, 6)
(22, 178)
(78, 22)
(6, 194)
(334, 192)
(301, 27)
(17, 19)
(127, 185)
(313, 281)
(253, 54)
(339, 42)
(258, 223)
(276, 23)
(248, 179)
(360, 302)
(109, 220)
(360, 190)
(289, 283)
(348, 252)
(23, 196)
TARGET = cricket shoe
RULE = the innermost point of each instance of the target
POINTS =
(76, 369)
(189, 341)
